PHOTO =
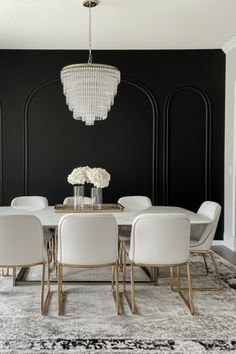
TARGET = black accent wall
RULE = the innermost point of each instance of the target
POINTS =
(164, 136)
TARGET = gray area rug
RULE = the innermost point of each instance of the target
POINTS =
(162, 324)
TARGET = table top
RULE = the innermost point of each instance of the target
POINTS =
(50, 218)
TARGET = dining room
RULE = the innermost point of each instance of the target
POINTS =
(117, 176)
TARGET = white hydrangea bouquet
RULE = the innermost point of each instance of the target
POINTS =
(79, 175)
(99, 177)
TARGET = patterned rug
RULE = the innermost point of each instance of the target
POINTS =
(162, 324)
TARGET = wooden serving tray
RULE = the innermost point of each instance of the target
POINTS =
(88, 208)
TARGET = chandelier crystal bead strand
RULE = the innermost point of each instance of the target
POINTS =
(90, 88)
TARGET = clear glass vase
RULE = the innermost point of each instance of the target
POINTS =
(78, 196)
(96, 196)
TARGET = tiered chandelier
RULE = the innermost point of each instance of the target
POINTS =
(90, 88)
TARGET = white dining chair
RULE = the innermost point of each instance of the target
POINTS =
(88, 241)
(202, 237)
(132, 203)
(33, 203)
(29, 202)
(135, 202)
(159, 241)
(70, 200)
(22, 245)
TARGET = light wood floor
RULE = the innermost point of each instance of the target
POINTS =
(226, 253)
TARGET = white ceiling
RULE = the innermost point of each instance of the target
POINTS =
(117, 24)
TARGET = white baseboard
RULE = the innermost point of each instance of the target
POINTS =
(230, 242)
(218, 243)
(223, 243)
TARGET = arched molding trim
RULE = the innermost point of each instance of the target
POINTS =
(230, 45)
(143, 88)
(208, 115)
(27, 103)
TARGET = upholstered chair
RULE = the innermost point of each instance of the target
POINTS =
(203, 235)
(135, 202)
(29, 202)
(22, 245)
(132, 203)
(159, 241)
(32, 203)
(88, 241)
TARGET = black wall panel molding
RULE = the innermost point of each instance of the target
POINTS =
(154, 107)
(208, 117)
(28, 100)
(155, 121)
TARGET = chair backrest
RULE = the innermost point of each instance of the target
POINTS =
(212, 211)
(21, 240)
(70, 200)
(160, 239)
(135, 202)
(90, 239)
(29, 202)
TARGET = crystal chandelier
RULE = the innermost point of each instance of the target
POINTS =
(90, 88)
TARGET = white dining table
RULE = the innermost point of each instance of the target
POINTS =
(50, 218)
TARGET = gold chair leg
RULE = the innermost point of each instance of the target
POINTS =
(132, 289)
(54, 249)
(156, 273)
(14, 276)
(190, 290)
(189, 301)
(124, 269)
(112, 278)
(44, 302)
(129, 301)
(121, 256)
(220, 283)
(171, 278)
(42, 290)
(205, 263)
(178, 278)
(115, 290)
(59, 288)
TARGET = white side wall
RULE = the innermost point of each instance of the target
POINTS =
(230, 151)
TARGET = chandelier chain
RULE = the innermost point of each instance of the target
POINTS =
(90, 58)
